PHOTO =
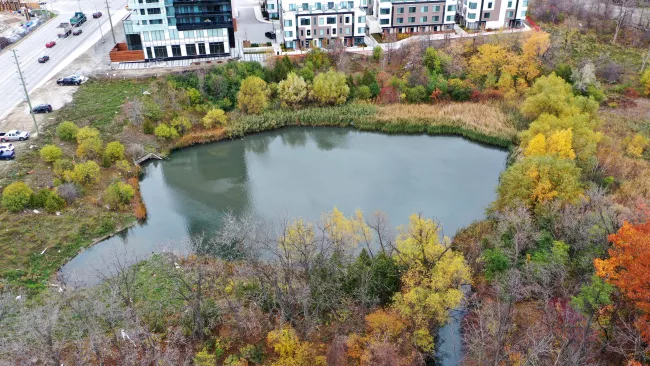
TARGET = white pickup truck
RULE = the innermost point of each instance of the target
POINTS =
(14, 135)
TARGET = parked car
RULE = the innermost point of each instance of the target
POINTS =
(42, 108)
(14, 135)
(97, 14)
(6, 146)
(7, 154)
(43, 59)
(270, 35)
(50, 44)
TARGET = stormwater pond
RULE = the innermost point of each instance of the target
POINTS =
(303, 172)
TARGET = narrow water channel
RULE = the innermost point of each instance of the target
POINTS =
(302, 172)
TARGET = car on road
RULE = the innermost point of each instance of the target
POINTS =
(97, 14)
(42, 3)
(14, 135)
(50, 44)
(7, 146)
(43, 59)
(7, 154)
(77, 32)
(42, 108)
(270, 35)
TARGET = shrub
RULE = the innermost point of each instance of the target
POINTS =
(125, 167)
(363, 93)
(330, 88)
(38, 199)
(460, 90)
(253, 96)
(67, 131)
(118, 194)
(181, 124)
(432, 60)
(114, 151)
(292, 91)
(86, 133)
(215, 117)
(135, 150)
(645, 81)
(389, 95)
(417, 94)
(636, 145)
(377, 53)
(152, 111)
(148, 127)
(50, 153)
(165, 132)
(16, 196)
(54, 203)
(61, 166)
(89, 148)
(69, 192)
(194, 96)
(86, 173)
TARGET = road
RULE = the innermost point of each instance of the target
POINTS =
(30, 48)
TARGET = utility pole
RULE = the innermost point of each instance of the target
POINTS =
(100, 28)
(110, 20)
(22, 81)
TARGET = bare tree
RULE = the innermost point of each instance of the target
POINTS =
(134, 110)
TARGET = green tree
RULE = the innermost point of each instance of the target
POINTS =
(50, 153)
(417, 94)
(432, 61)
(67, 131)
(552, 95)
(16, 196)
(118, 194)
(215, 117)
(165, 132)
(538, 179)
(377, 53)
(181, 124)
(90, 147)
(330, 88)
(54, 203)
(114, 151)
(61, 166)
(194, 96)
(292, 91)
(363, 93)
(86, 173)
(431, 283)
(253, 96)
(86, 133)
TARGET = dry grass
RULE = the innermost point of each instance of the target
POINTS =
(200, 137)
(484, 118)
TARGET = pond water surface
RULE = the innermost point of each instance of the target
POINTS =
(303, 172)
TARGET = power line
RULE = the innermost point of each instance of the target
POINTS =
(22, 81)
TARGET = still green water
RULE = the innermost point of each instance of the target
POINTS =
(303, 172)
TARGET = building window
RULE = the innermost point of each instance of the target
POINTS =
(523, 13)
(146, 36)
(292, 7)
(330, 5)
(176, 50)
(302, 32)
(215, 32)
(155, 21)
(450, 18)
(424, 9)
(149, 53)
(451, 8)
(400, 10)
(486, 16)
(153, 11)
(333, 31)
(305, 21)
(435, 18)
(361, 20)
(157, 35)
(144, 22)
(473, 5)
(384, 21)
(361, 30)
(322, 32)
(347, 20)
(471, 16)
(347, 30)
(412, 9)
(188, 34)
(436, 8)
(400, 20)
(288, 34)
(331, 20)
(201, 48)
(319, 6)
(411, 19)
(509, 4)
(384, 11)
(160, 51)
(270, 6)
(423, 19)
(190, 49)
(141, 11)
(510, 14)
(489, 5)
(288, 23)
(173, 34)
(217, 47)
(321, 21)
(150, 1)
(305, 6)
(524, 3)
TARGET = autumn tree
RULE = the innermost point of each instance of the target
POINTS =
(431, 283)
(492, 59)
(385, 330)
(532, 51)
(215, 117)
(558, 145)
(253, 96)
(553, 95)
(291, 351)
(330, 88)
(627, 268)
(538, 179)
(645, 81)
(292, 91)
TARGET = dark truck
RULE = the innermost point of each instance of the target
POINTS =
(78, 19)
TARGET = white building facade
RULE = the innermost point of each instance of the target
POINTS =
(492, 14)
(178, 29)
(311, 23)
(411, 16)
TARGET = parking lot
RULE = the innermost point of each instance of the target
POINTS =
(251, 29)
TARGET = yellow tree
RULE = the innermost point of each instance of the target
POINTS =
(291, 351)
(431, 283)
(558, 145)
(553, 95)
(533, 49)
(536, 146)
(253, 95)
(492, 59)
(345, 233)
(384, 330)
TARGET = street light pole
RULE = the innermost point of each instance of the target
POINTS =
(22, 81)
(100, 28)
(110, 20)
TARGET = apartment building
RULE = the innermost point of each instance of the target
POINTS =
(411, 16)
(491, 14)
(317, 23)
(272, 8)
(177, 29)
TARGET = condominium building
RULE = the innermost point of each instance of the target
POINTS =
(411, 16)
(492, 14)
(316, 23)
(272, 8)
(177, 29)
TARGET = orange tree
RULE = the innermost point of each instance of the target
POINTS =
(627, 268)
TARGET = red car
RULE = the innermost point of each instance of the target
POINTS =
(50, 44)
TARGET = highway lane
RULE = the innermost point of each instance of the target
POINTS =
(66, 50)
